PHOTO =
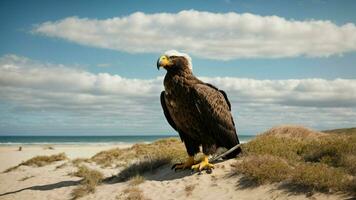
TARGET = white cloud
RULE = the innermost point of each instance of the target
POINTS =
(221, 36)
(35, 94)
(293, 92)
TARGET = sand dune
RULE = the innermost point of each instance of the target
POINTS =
(51, 182)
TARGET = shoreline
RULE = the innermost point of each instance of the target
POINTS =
(68, 144)
(89, 140)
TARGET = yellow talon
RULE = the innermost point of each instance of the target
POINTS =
(189, 163)
(204, 164)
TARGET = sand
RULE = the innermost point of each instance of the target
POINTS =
(48, 182)
(10, 156)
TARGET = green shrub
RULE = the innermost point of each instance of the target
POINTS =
(319, 176)
(283, 147)
(299, 156)
(349, 163)
(263, 168)
(329, 150)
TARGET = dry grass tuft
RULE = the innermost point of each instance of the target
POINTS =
(142, 158)
(109, 158)
(131, 193)
(299, 156)
(136, 180)
(40, 161)
(91, 178)
(78, 161)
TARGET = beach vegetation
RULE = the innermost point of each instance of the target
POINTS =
(263, 168)
(131, 193)
(90, 179)
(141, 158)
(79, 161)
(110, 158)
(39, 161)
(302, 157)
(170, 148)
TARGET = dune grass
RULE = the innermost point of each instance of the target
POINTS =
(141, 158)
(299, 156)
(90, 179)
(39, 161)
(171, 149)
(263, 168)
(78, 161)
(131, 193)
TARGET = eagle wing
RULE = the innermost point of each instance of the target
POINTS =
(214, 108)
(166, 112)
(191, 145)
(222, 92)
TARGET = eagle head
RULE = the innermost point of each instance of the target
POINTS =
(174, 59)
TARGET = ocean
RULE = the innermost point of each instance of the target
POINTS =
(77, 140)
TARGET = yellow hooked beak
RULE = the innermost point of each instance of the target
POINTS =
(163, 61)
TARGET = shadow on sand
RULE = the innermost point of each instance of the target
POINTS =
(289, 189)
(45, 187)
(157, 171)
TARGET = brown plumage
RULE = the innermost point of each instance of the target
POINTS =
(198, 111)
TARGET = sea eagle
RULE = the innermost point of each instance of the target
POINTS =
(198, 111)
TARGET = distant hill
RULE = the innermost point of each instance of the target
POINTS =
(342, 131)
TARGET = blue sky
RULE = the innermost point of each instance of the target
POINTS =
(28, 44)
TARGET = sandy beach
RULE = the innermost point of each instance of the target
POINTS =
(11, 156)
(55, 181)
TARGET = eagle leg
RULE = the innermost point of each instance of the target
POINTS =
(204, 164)
(186, 165)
